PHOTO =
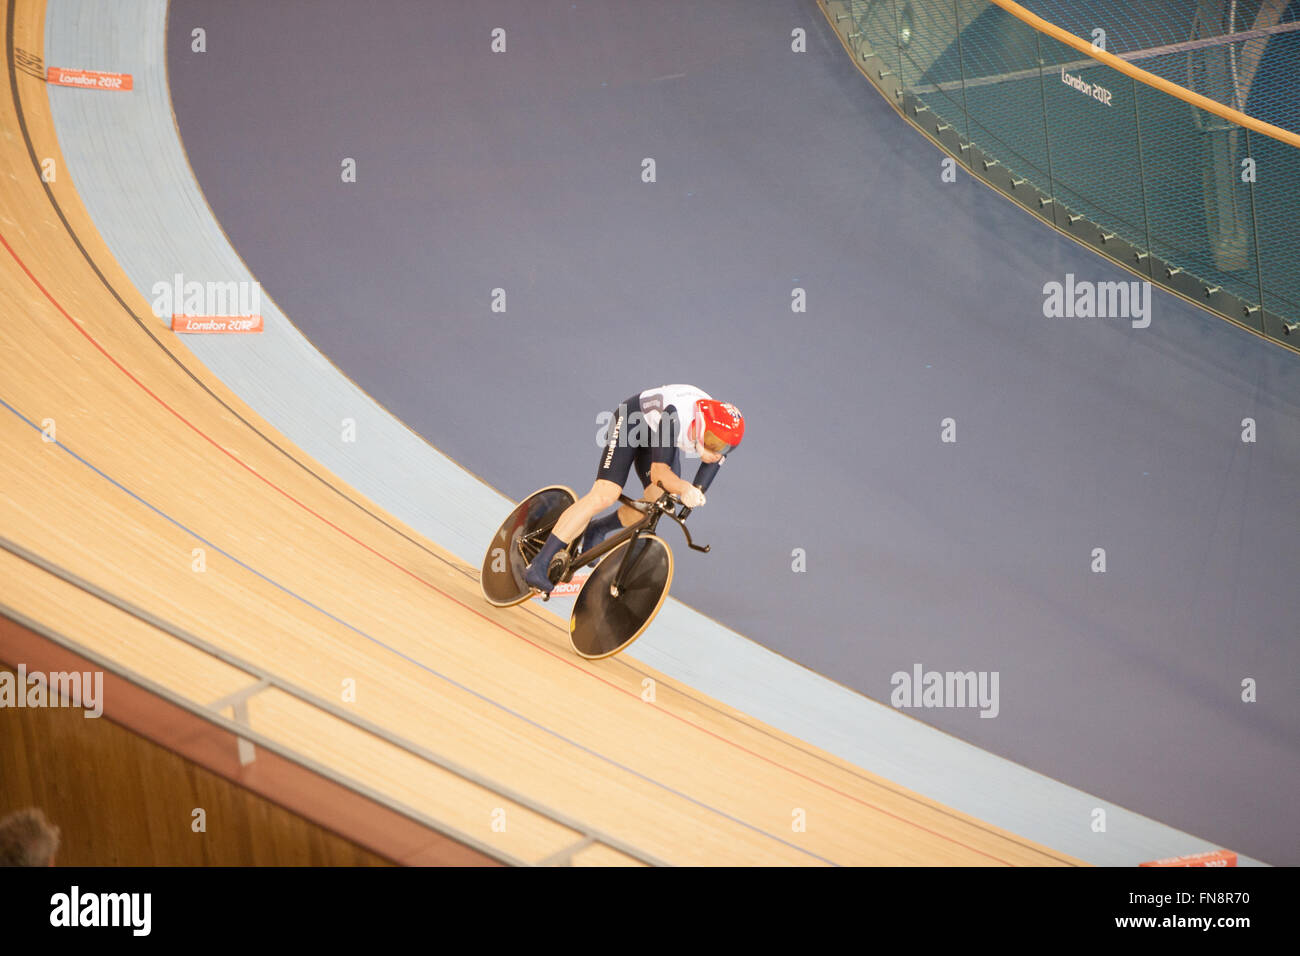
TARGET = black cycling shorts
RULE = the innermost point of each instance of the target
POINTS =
(627, 446)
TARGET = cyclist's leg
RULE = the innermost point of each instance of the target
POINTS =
(575, 518)
(611, 474)
(626, 516)
(633, 451)
(616, 459)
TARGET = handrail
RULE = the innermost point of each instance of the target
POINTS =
(267, 680)
(245, 736)
(1148, 79)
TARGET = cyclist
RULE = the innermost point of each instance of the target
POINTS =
(650, 430)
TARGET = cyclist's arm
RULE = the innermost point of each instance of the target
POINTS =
(665, 448)
(662, 472)
(705, 474)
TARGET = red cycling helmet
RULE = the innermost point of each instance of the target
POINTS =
(717, 426)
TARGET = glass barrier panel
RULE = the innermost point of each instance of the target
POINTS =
(877, 22)
(1092, 131)
(1198, 209)
(1004, 90)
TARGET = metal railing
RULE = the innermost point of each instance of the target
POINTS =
(248, 738)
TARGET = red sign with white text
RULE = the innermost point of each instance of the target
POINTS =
(569, 587)
(88, 79)
(1212, 858)
(216, 323)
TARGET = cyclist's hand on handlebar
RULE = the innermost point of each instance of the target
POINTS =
(692, 497)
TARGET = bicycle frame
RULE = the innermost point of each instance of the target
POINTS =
(665, 505)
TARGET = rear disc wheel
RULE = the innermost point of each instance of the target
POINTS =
(519, 539)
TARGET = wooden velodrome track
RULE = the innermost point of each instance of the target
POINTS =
(306, 580)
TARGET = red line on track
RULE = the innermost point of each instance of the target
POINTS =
(411, 574)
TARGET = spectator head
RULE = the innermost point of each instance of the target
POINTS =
(28, 839)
